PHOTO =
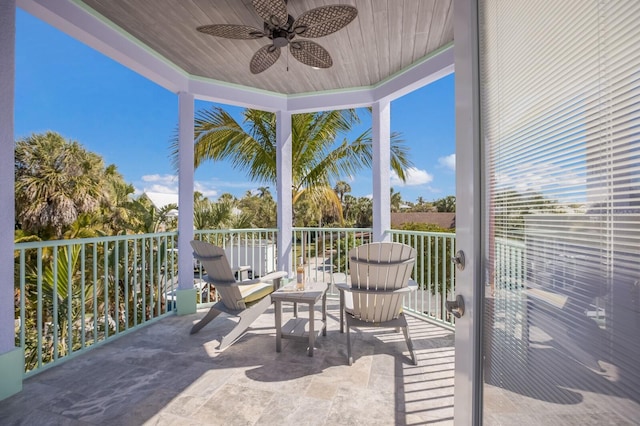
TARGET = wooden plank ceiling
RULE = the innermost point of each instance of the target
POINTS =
(386, 37)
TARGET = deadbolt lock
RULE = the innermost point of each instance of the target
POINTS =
(458, 260)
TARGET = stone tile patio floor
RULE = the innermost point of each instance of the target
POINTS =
(160, 375)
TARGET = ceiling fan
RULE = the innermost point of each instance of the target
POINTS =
(283, 29)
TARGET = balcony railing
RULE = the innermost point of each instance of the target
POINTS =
(72, 295)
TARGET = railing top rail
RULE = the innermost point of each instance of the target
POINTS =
(63, 243)
(231, 231)
(77, 241)
(327, 229)
(424, 233)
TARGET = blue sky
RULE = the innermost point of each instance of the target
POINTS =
(65, 86)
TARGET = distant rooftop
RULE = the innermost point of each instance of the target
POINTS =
(161, 200)
(443, 220)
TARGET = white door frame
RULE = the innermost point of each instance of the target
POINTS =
(469, 187)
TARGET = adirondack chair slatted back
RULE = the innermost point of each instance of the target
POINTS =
(378, 267)
(214, 261)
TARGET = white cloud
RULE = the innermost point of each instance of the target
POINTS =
(161, 189)
(168, 184)
(166, 179)
(206, 189)
(449, 162)
(162, 184)
(414, 177)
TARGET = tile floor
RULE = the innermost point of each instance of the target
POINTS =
(160, 375)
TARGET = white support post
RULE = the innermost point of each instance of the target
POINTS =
(468, 374)
(381, 127)
(186, 294)
(284, 142)
(11, 358)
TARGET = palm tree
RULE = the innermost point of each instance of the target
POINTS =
(396, 201)
(147, 219)
(263, 192)
(117, 215)
(56, 181)
(342, 188)
(446, 204)
(316, 157)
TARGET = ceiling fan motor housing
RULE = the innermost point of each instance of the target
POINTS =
(280, 38)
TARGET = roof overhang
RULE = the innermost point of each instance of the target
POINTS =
(75, 19)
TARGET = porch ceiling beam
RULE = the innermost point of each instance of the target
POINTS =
(432, 68)
(230, 94)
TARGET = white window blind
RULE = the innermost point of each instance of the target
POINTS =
(560, 117)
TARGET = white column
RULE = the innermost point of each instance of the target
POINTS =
(469, 281)
(7, 159)
(381, 133)
(186, 293)
(11, 358)
(285, 208)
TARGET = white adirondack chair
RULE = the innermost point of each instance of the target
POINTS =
(245, 299)
(380, 278)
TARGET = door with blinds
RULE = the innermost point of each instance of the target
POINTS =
(560, 130)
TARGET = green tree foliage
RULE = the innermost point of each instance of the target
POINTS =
(342, 188)
(145, 218)
(56, 181)
(446, 204)
(359, 211)
(422, 206)
(261, 207)
(435, 266)
(395, 201)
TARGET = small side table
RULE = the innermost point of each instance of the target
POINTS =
(296, 328)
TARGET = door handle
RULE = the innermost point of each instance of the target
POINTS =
(455, 307)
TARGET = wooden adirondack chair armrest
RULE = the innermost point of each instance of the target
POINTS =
(343, 286)
(275, 275)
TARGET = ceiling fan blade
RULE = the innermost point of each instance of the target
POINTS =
(310, 53)
(273, 12)
(264, 58)
(239, 32)
(325, 20)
